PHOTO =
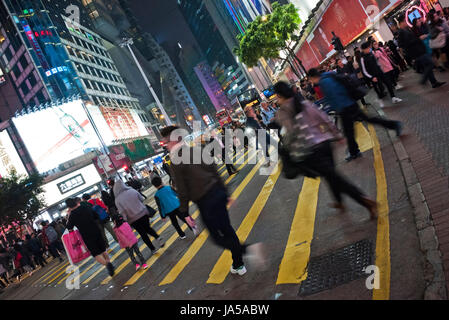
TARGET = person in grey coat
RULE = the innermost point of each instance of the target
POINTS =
(130, 205)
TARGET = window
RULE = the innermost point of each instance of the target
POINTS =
(24, 88)
(16, 71)
(87, 84)
(40, 96)
(32, 80)
(8, 53)
(23, 61)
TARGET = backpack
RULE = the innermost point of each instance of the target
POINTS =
(353, 85)
(51, 234)
(101, 212)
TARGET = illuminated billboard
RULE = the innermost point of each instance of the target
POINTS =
(57, 134)
(9, 158)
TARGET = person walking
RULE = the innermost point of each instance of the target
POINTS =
(33, 245)
(130, 206)
(267, 113)
(83, 218)
(104, 220)
(168, 204)
(201, 183)
(118, 221)
(386, 65)
(4, 265)
(319, 158)
(348, 110)
(415, 49)
(253, 122)
(373, 72)
(50, 237)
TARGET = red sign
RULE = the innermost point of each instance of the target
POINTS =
(307, 57)
(120, 121)
(118, 157)
(369, 5)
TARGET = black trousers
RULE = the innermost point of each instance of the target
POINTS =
(322, 162)
(39, 259)
(215, 217)
(174, 221)
(352, 114)
(426, 64)
(383, 80)
(143, 227)
(135, 249)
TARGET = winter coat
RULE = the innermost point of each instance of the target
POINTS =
(166, 200)
(335, 93)
(369, 66)
(129, 202)
(383, 60)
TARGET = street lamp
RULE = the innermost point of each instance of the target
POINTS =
(127, 43)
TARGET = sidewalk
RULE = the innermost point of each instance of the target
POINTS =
(425, 116)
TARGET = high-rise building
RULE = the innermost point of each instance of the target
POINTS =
(214, 48)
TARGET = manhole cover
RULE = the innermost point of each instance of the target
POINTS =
(336, 268)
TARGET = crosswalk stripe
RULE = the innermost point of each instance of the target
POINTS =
(65, 264)
(201, 239)
(363, 137)
(237, 154)
(225, 171)
(158, 254)
(223, 265)
(293, 267)
(41, 277)
(383, 224)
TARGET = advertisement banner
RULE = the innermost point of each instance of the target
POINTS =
(138, 149)
(119, 159)
(307, 56)
(120, 122)
(9, 158)
(56, 135)
(375, 8)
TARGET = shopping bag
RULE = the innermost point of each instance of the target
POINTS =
(191, 222)
(74, 246)
(125, 235)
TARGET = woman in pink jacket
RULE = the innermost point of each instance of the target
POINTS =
(385, 63)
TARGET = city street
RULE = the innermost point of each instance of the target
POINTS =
(295, 224)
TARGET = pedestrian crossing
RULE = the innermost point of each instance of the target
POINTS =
(291, 270)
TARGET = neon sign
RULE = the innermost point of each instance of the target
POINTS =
(415, 12)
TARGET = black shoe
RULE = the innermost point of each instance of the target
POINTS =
(438, 84)
(110, 268)
(61, 259)
(352, 157)
(398, 129)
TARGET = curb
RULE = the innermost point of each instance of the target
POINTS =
(434, 275)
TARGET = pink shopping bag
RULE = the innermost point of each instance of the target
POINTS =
(74, 246)
(125, 235)
(191, 222)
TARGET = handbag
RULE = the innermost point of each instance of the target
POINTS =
(151, 211)
(438, 42)
(74, 246)
(125, 235)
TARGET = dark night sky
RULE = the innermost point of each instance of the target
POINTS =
(163, 20)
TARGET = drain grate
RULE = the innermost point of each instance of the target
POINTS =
(336, 268)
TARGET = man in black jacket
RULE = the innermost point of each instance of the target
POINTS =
(372, 71)
(415, 49)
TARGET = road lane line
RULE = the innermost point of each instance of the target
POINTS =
(223, 265)
(158, 254)
(362, 137)
(225, 171)
(202, 237)
(293, 267)
(383, 224)
(233, 158)
(46, 273)
(65, 264)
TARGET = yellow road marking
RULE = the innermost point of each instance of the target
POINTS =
(202, 237)
(223, 173)
(221, 268)
(383, 224)
(363, 137)
(222, 167)
(293, 267)
(156, 256)
(41, 277)
(65, 264)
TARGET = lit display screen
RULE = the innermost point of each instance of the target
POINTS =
(56, 135)
(9, 158)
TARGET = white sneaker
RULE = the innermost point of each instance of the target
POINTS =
(399, 87)
(182, 238)
(396, 100)
(240, 271)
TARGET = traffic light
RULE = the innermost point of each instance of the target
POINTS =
(336, 42)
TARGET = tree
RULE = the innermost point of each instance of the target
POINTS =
(268, 35)
(20, 197)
